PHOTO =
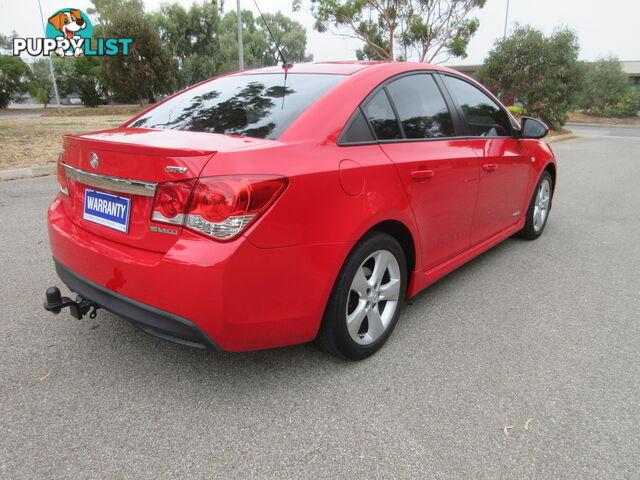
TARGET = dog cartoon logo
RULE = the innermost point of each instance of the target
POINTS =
(73, 26)
(69, 33)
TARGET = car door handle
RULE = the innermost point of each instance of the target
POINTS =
(421, 174)
(490, 167)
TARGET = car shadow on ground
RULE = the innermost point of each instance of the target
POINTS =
(111, 336)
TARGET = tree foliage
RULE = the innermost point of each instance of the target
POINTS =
(290, 35)
(173, 47)
(431, 30)
(14, 76)
(6, 42)
(41, 85)
(607, 91)
(540, 72)
(147, 71)
(193, 37)
(105, 10)
(258, 47)
(87, 78)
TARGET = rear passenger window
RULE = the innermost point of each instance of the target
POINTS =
(381, 116)
(421, 108)
(358, 131)
(482, 116)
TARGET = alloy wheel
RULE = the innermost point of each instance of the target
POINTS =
(541, 205)
(373, 297)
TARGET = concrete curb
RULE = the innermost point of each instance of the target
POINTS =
(600, 125)
(561, 138)
(19, 173)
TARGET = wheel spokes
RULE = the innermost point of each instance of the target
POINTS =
(355, 319)
(366, 323)
(376, 325)
(381, 260)
(541, 205)
(360, 284)
(390, 291)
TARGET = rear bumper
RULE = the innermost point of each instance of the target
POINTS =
(152, 320)
(232, 296)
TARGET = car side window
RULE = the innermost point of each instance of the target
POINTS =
(357, 131)
(382, 118)
(482, 115)
(421, 107)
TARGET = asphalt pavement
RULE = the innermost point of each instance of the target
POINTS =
(525, 363)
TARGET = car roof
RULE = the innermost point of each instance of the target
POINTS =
(340, 68)
(336, 68)
(344, 68)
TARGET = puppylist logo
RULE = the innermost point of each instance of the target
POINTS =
(69, 33)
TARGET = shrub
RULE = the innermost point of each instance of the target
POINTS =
(607, 91)
(13, 79)
(516, 110)
(542, 73)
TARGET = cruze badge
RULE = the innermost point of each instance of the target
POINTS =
(172, 169)
(94, 161)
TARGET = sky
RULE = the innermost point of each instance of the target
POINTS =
(604, 28)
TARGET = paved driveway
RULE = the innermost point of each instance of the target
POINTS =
(545, 330)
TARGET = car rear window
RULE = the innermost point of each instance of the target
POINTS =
(254, 105)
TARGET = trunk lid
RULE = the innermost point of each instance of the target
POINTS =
(116, 171)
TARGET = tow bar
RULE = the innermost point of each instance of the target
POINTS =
(78, 307)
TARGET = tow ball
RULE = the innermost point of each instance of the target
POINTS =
(78, 307)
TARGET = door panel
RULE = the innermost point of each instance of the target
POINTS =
(504, 176)
(439, 174)
(443, 199)
(504, 162)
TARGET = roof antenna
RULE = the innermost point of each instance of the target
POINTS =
(286, 66)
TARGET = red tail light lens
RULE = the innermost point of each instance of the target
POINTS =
(171, 201)
(220, 207)
(62, 177)
(218, 200)
(223, 207)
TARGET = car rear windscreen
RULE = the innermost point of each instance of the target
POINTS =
(254, 105)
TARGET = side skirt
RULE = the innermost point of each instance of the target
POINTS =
(422, 279)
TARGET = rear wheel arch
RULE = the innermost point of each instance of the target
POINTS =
(357, 320)
(402, 234)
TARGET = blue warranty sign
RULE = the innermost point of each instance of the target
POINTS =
(106, 209)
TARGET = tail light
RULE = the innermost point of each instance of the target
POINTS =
(220, 207)
(62, 176)
(171, 201)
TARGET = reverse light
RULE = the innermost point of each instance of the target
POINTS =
(220, 207)
(62, 176)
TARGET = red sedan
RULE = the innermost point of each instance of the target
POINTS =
(270, 207)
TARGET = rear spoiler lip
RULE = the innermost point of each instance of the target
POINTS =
(116, 146)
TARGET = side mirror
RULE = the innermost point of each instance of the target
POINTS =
(533, 128)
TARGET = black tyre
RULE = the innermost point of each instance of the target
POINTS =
(539, 208)
(367, 298)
